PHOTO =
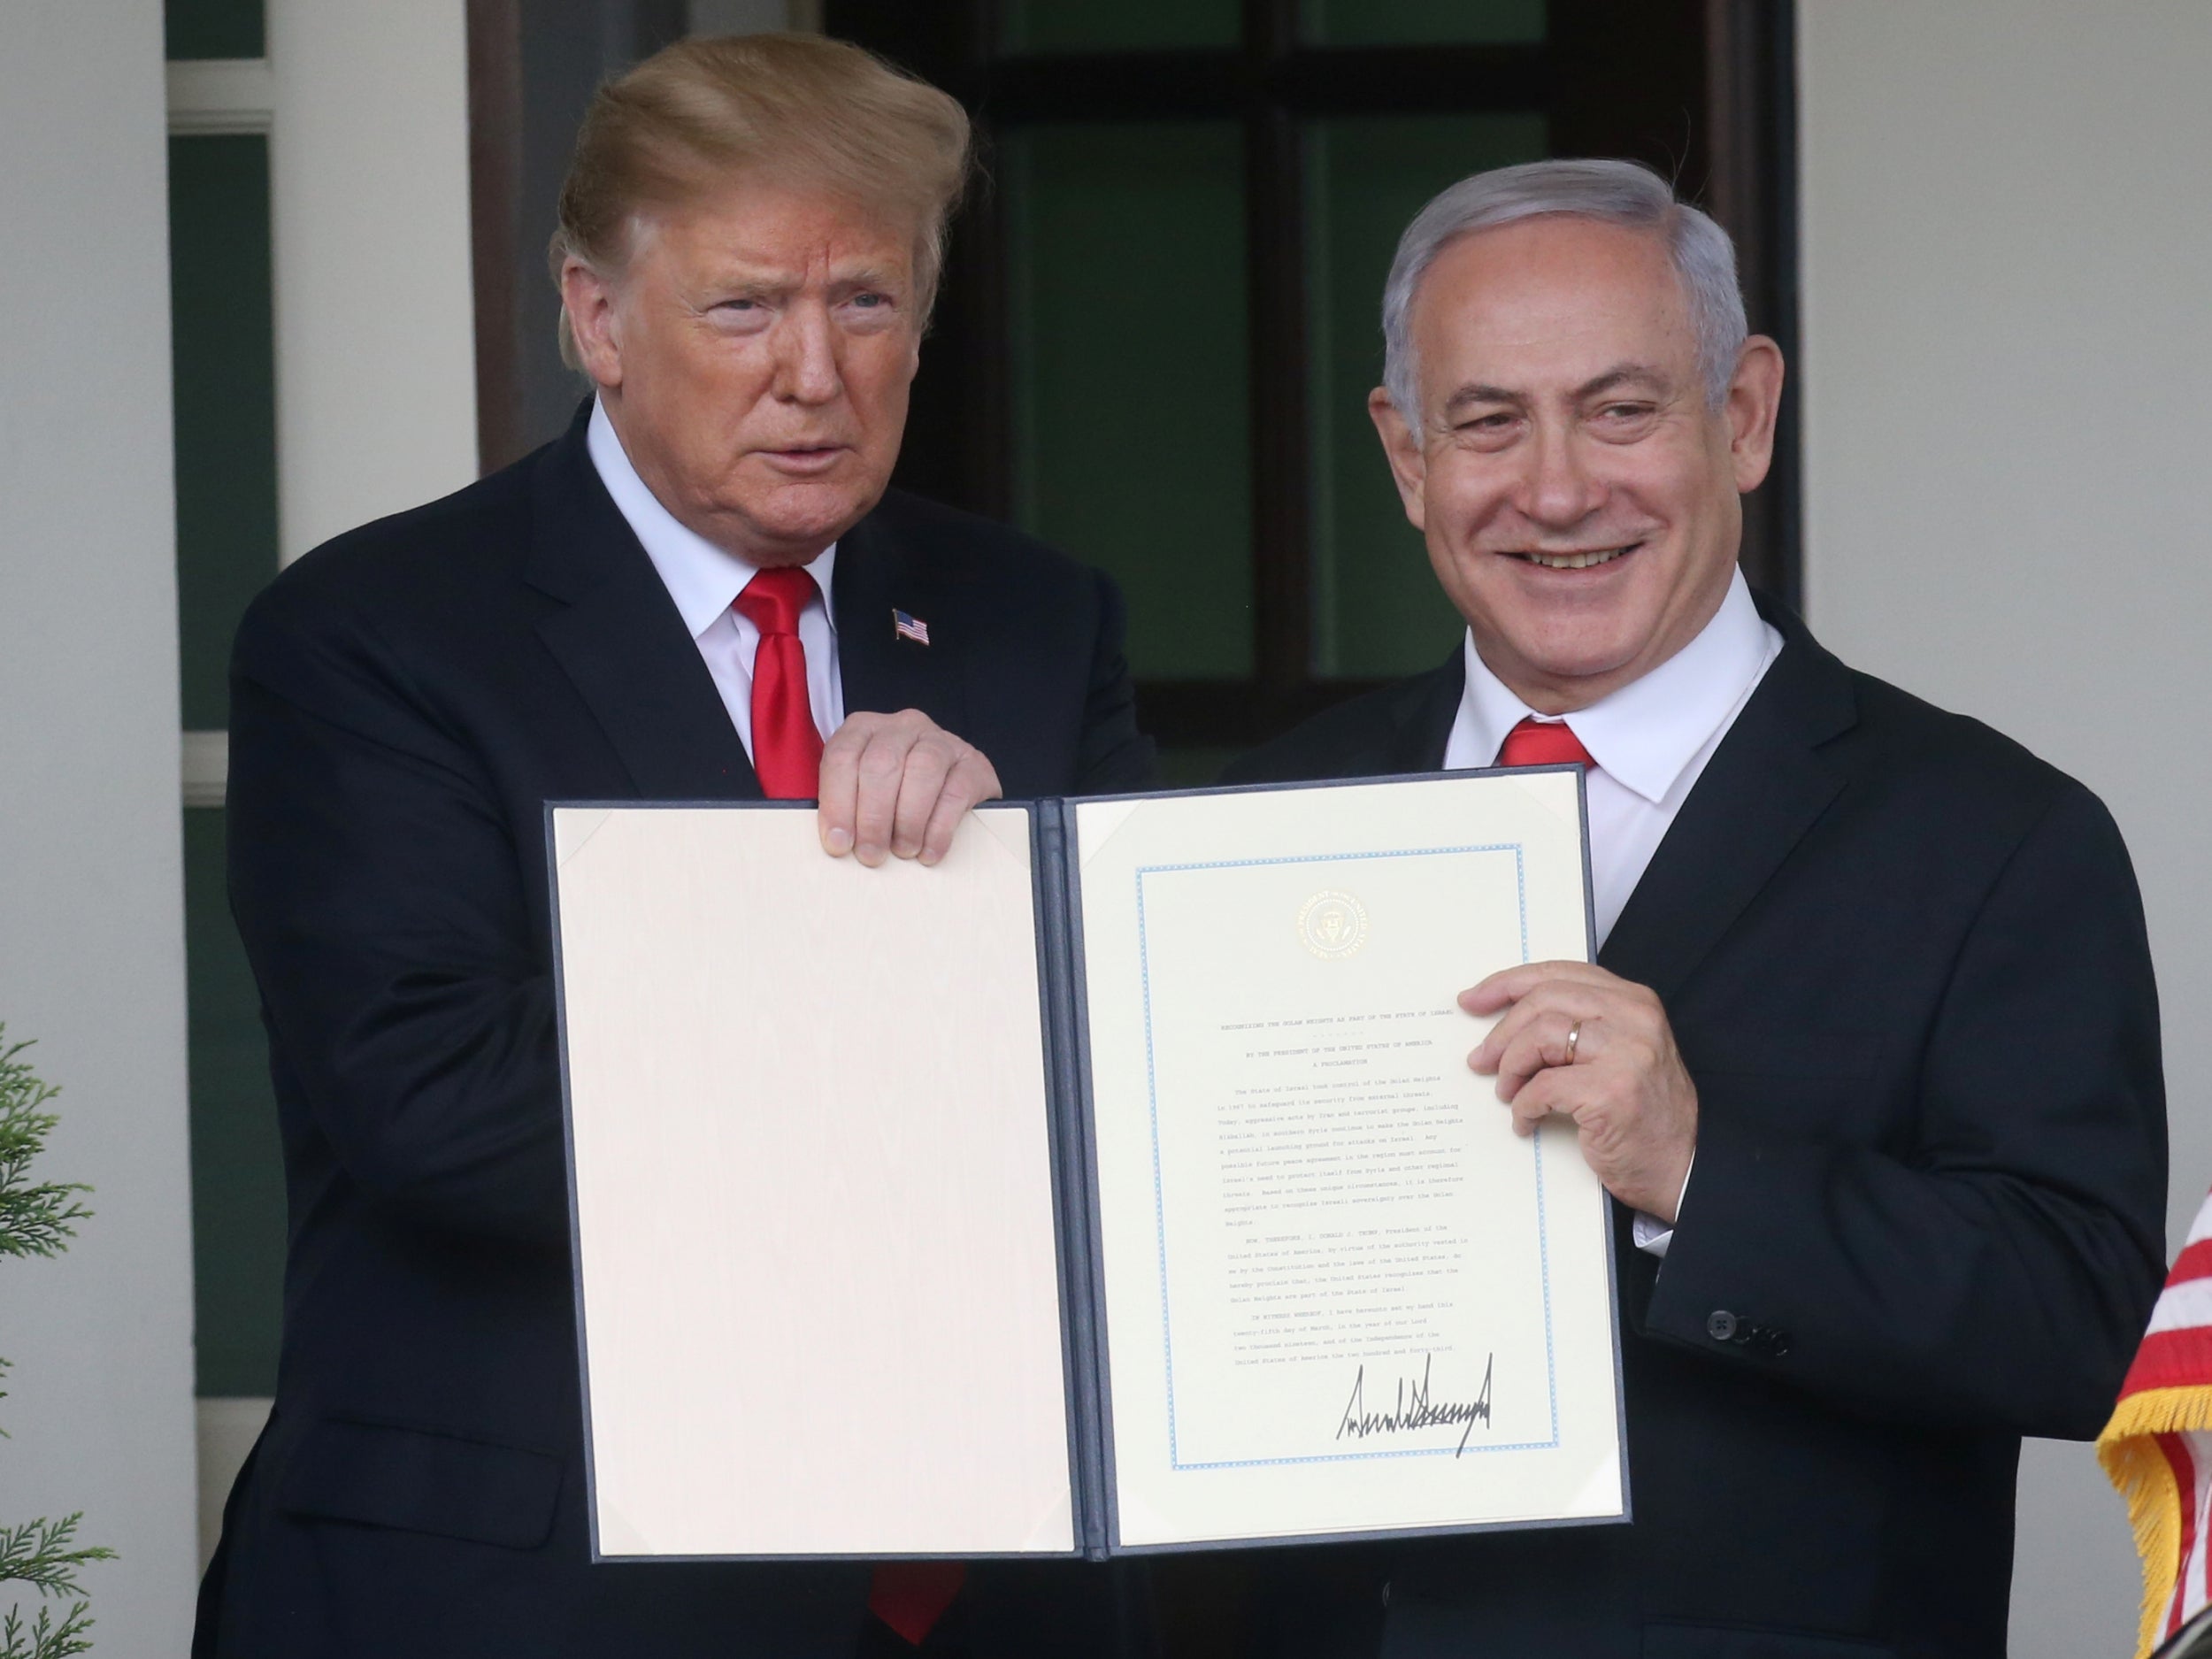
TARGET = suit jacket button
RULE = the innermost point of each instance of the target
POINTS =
(1778, 1343)
(1721, 1325)
(1386, 1593)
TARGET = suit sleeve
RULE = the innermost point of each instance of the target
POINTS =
(1113, 755)
(1996, 1269)
(379, 893)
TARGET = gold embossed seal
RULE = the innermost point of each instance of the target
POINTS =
(1333, 924)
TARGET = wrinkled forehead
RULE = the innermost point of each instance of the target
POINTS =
(1544, 305)
(772, 225)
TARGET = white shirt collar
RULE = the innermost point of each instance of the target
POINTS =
(1645, 734)
(700, 577)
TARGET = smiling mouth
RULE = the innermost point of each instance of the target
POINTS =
(1574, 561)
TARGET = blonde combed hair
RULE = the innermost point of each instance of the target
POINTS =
(798, 109)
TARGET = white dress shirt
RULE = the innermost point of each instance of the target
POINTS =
(704, 582)
(1648, 742)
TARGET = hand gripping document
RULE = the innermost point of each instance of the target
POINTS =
(1118, 1184)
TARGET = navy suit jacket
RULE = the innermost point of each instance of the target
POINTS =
(404, 702)
(1906, 965)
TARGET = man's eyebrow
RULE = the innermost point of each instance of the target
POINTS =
(1620, 375)
(740, 285)
(1476, 392)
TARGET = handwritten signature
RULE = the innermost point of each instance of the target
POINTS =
(1414, 1410)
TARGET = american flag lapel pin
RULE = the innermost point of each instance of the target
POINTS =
(906, 628)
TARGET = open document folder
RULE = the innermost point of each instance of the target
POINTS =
(1117, 1185)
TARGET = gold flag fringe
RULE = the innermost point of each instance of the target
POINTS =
(2134, 1463)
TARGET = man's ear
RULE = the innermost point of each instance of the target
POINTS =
(1755, 401)
(587, 300)
(1402, 447)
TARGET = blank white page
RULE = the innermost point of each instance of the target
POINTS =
(813, 1159)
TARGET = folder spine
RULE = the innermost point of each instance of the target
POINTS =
(1068, 1079)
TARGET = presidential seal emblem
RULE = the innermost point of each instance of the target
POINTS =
(1333, 924)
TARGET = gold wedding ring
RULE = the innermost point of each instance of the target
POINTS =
(1574, 1037)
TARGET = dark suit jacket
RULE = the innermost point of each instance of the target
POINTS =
(405, 700)
(1905, 963)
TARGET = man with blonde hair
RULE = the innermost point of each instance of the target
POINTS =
(704, 591)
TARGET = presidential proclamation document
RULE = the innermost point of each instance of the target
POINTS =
(1342, 1295)
(812, 1167)
(1117, 1185)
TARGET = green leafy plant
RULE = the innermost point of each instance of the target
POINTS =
(38, 1218)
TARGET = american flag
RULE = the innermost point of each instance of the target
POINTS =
(2158, 1447)
(906, 628)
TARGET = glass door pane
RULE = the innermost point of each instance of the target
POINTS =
(1128, 302)
(1421, 22)
(225, 364)
(213, 28)
(237, 1165)
(1378, 611)
(1116, 26)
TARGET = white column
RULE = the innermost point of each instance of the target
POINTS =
(99, 1403)
(2006, 227)
(375, 353)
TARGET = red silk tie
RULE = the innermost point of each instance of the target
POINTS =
(786, 748)
(1536, 742)
(911, 1596)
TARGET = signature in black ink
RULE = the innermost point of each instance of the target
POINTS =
(1416, 1410)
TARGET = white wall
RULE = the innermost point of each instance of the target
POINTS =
(2007, 303)
(92, 924)
(376, 318)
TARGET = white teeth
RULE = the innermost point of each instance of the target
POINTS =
(1574, 561)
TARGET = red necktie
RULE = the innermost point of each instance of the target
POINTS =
(1536, 742)
(911, 1596)
(786, 748)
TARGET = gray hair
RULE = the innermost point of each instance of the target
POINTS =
(1623, 193)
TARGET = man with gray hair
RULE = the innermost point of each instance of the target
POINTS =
(1869, 1060)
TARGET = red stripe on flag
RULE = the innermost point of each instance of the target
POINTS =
(2172, 1359)
(2185, 1473)
(2193, 1262)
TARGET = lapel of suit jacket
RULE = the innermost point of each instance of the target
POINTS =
(882, 671)
(1765, 786)
(622, 643)
(1420, 713)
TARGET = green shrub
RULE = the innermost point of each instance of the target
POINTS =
(37, 1218)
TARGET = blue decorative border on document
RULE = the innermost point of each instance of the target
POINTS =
(1536, 1142)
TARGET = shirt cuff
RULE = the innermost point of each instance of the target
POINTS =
(1654, 1235)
